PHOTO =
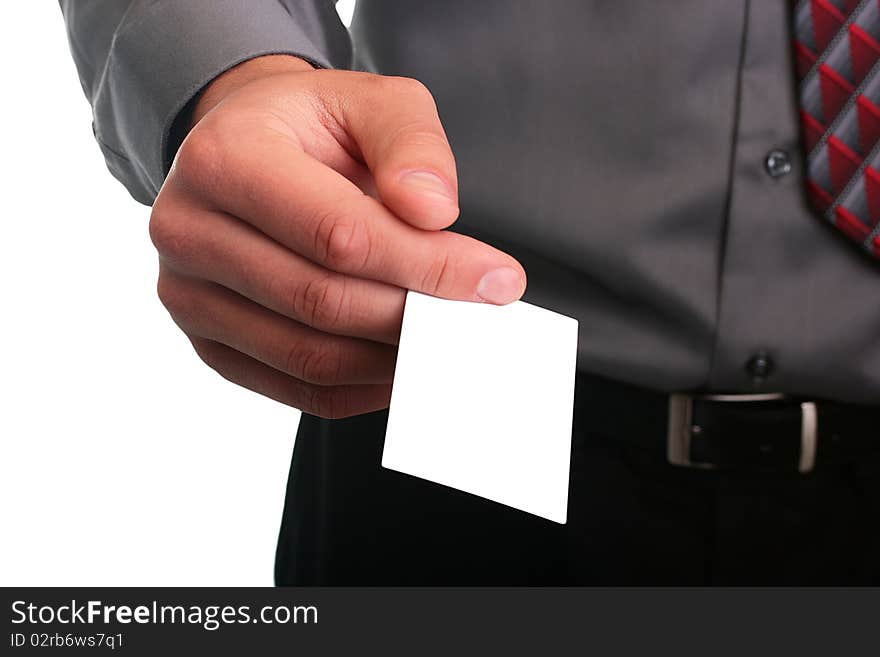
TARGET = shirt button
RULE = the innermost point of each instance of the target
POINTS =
(777, 163)
(760, 366)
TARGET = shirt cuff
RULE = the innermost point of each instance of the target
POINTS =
(164, 53)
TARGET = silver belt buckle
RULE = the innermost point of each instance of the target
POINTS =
(682, 429)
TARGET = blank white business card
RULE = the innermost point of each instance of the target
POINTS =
(482, 401)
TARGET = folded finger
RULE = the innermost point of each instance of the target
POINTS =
(212, 312)
(324, 401)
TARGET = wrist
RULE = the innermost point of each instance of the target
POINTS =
(240, 75)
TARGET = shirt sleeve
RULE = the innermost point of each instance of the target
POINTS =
(141, 62)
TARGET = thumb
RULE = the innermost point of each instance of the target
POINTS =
(398, 132)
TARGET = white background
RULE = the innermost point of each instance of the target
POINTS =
(123, 459)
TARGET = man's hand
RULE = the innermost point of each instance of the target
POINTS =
(299, 209)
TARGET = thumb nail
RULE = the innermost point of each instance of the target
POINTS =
(426, 182)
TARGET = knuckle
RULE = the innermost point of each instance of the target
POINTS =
(381, 84)
(202, 157)
(341, 243)
(170, 235)
(178, 301)
(319, 302)
(409, 137)
(318, 364)
(207, 353)
(413, 88)
(385, 86)
(329, 403)
(437, 275)
(158, 226)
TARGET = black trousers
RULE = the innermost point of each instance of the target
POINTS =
(633, 519)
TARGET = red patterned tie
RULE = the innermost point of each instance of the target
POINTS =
(837, 44)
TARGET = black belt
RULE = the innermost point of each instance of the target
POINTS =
(763, 432)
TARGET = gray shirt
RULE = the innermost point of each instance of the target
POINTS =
(617, 149)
